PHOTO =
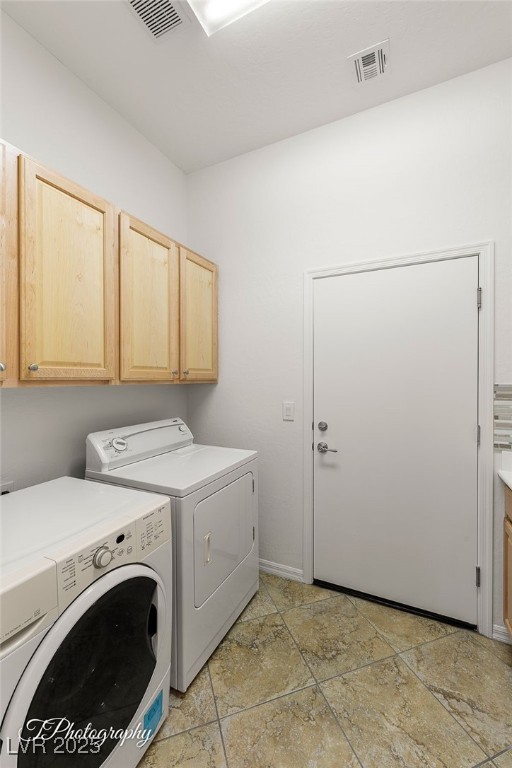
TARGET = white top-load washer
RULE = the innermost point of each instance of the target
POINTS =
(214, 508)
(85, 598)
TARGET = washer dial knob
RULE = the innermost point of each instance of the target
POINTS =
(102, 557)
(119, 444)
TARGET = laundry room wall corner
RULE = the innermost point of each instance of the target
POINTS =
(338, 194)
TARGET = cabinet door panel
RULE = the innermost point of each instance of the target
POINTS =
(507, 575)
(67, 260)
(198, 318)
(8, 265)
(149, 303)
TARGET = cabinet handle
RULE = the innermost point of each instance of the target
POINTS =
(3, 367)
(33, 367)
(174, 373)
(186, 373)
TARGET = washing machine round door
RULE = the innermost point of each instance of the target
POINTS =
(89, 675)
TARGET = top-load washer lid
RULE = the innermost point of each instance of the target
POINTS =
(35, 519)
(159, 456)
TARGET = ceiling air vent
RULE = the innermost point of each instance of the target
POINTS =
(371, 63)
(159, 16)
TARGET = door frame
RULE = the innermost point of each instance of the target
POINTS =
(485, 252)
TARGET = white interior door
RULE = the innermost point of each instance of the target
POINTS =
(396, 381)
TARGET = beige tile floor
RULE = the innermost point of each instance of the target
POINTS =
(310, 678)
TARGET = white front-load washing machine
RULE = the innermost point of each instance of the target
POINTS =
(214, 509)
(85, 597)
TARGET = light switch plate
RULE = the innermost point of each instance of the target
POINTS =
(288, 410)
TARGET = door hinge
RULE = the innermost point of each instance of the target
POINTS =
(313, 425)
(253, 485)
(478, 434)
(253, 532)
(478, 576)
(479, 298)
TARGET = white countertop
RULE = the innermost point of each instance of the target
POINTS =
(506, 476)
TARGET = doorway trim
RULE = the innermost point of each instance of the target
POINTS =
(485, 519)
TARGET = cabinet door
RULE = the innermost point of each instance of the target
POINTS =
(8, 265)
(507, 575)
(198, 302)
(67, 279)
(149, 303)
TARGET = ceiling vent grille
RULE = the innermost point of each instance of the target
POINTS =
(372, 62)
(159, 16)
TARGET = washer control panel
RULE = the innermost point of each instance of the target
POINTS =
(102, 557)
(130, 542)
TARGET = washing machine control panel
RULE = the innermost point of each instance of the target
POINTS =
(130, 542)
(102, 557)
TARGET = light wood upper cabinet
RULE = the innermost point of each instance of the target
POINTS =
(78, 304)
(8, 265)
(67, 279)
(149, 326)
(198, 318)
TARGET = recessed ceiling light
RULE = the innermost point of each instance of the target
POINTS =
(216, 14)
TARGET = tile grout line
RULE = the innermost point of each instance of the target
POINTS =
(487, 762)
(417, 645)
(340, 674)
(340, 725)
(317, 685)
(477, 634)
(503, 752)
(488, 757)
(396, 654)
(498, 754)
(380, 634)
(217, 713)
(269, 701)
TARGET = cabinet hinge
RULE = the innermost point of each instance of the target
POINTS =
(478, 576)
(253, 532)
(253, 486)
(479, 298)
(478, 434)
(312, 425)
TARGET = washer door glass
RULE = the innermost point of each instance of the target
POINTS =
(96, 679)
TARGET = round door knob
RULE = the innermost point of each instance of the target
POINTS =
(102, 557)
(33, 367)
(3, 367)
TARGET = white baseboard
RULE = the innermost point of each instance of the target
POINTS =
(296, 574)
(501, 633)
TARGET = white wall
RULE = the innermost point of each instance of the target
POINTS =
(44, 429)
(50, 114)
(428, 171)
